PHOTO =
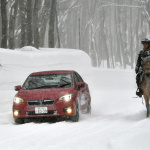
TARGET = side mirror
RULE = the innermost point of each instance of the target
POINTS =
(81, 84)
(17, 88)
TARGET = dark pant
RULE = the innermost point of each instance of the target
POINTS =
(138, 79)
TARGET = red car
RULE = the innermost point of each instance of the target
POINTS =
(51, 93)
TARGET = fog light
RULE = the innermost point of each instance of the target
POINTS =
(69, 110)
(16, 113)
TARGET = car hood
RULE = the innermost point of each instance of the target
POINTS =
(44, 93)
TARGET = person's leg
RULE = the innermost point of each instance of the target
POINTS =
(138, 80)
(139, 91)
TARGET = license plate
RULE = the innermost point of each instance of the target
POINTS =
(41, 110)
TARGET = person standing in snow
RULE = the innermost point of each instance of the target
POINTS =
(143, 53)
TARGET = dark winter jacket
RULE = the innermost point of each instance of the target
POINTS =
(142, 54)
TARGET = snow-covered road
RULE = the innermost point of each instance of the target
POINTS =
(118, 121)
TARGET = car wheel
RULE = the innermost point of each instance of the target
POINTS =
(19, 121)
(75, 118)
(89, 107)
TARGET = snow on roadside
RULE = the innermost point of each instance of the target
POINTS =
(28, 49)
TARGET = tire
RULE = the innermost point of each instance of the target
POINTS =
(19, 121)
(75, 118)
(89, 107)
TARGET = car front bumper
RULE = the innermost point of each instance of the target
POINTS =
(59, 108)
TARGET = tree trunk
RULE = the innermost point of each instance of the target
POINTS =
(36, 24)
(52, 23)
(131, 32)
(12, 22)
(29, 23)
(57, 30)
(43, 20)
(4, 23)
(23, 23)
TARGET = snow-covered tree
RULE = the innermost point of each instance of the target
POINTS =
(109, 31)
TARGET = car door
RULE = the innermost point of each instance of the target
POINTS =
(82, 92)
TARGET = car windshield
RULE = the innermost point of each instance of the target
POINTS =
(48, 81)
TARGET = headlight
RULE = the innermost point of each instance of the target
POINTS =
(18, 100)
(66, 97)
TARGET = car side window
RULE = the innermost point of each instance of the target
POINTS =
(76, 80)
(79, 77)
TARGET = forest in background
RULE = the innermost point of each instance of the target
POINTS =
(109, 31)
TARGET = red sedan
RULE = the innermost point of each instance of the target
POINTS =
(51, 93)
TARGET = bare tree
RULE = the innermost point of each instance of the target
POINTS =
(52, 23)
(12, 21)
(22, 12)
(57, 28)
(109, 30)
(43, 20)
(29, 31)
(4, 23)
(36, 24)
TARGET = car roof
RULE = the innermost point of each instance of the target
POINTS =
(52, 72)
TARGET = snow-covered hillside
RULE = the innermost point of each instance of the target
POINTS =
(118, 121)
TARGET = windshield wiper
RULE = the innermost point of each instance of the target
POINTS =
(62, 85)
(41, 87)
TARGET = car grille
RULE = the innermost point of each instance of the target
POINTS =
(41, 102)
(51, 112)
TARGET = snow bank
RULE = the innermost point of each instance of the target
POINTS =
(44, 57)
(28, 49)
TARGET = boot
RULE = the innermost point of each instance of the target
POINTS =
(139, 92)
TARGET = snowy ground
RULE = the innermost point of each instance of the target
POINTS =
(118, 121)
